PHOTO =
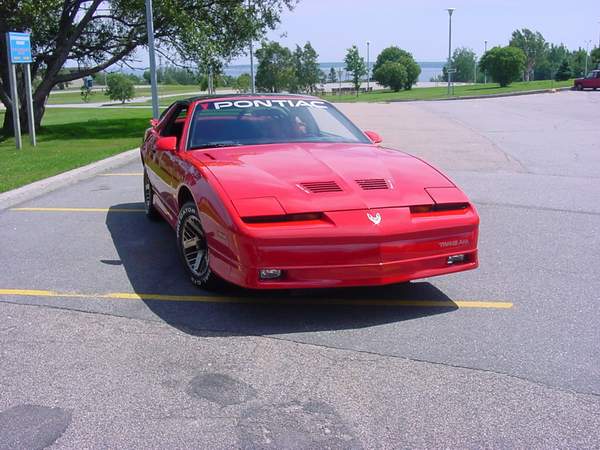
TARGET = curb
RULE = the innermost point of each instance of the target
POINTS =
(475, 97)
(41, 187)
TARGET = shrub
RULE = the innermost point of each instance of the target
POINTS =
(504, 64)
(391, 74)
(397, 55)
(119, 87)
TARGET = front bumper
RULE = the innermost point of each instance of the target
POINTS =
(348, 250)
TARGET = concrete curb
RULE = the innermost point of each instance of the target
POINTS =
(41, 187)
(475, 97)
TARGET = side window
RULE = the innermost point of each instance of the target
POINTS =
(175, 122)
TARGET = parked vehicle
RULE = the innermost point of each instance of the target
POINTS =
(282, 191)
(591, 81)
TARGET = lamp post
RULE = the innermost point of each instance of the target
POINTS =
(485, 71)
(450, 11)
(368, 66)
(587, 52)
(151, 54)
(252, 77)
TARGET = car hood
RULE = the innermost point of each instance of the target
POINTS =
(322, 177)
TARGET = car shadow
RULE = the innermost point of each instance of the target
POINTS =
(148, 253)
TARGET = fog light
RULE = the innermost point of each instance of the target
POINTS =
(456, 259)
(269, 274)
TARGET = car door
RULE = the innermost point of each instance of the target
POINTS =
(171, 167)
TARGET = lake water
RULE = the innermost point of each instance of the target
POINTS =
(429, 69)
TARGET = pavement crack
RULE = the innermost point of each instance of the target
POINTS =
(536, 208)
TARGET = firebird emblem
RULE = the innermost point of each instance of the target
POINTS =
(376, 219)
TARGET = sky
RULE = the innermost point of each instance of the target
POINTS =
(421, 27)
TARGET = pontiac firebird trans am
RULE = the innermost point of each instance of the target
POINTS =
(283, 191)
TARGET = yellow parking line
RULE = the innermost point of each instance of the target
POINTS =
(38, 209)
(220, 299)
(122, 174)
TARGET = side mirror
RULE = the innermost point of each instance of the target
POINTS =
(375, 138)
(167, 143)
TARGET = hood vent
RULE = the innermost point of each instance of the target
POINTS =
(318, 187)
(373, 183)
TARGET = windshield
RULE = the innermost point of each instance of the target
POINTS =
(268, 121)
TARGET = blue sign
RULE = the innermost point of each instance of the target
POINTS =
(20, 48)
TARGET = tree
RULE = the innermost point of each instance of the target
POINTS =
(355, 65)
(308, 72)
(332, 77)
(577, 62)
(242, 83)
(555, 55)
(119, 87)
(564, 71)
(275, 71)
(391, 74)
(95, 34)
(533, 45)
(595, 57)
(463, 61)
(86, 93)
(396, 54)
(504, 64)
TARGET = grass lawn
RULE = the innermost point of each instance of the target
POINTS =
(441, 92)
(70, 138)
(70, 97)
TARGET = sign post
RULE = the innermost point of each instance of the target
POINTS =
(19, 52)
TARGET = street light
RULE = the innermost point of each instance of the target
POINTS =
(150, 30)
(368, 65)
(450, 11)
(587, 51)
(252, 77)
(485, 71)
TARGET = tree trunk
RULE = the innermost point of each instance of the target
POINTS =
(39, 108)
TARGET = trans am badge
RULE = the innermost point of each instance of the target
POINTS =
(376, 219)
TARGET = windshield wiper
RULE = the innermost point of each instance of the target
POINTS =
(217, 145)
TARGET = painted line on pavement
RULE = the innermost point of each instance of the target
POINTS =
(246, 300)
(39, 209)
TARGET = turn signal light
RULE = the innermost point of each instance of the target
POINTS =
(456, 259)
(438, 207)
(269, 274)
(284, 218)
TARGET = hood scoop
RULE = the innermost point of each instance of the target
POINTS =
(373, 184)
(319, 187)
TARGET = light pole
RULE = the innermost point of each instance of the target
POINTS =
(450, 11)
(252, 77)
(485, 71)
(368, 65)
(150, 30)
(587, 52)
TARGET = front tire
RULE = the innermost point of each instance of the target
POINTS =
(149, 208)
(193, 248)
(579, 87)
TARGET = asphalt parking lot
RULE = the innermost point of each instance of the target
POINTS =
(105, 343)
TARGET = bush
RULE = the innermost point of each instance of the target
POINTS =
(564, 71)
(391, 74)
(119, 87)
(397, 55)
(504, 64)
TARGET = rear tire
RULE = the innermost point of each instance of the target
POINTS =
(193, 248)
(578, 87)
(149, 208)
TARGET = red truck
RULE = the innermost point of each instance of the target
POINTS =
(591, 81)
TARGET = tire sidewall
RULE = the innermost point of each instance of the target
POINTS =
(187, 210)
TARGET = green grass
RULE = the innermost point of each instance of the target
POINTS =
(74, 97)
(441, 92)
(70, 138)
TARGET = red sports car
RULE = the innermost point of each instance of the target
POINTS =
(284, 191)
